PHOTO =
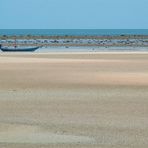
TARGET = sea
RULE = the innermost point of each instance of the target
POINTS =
(73, 32)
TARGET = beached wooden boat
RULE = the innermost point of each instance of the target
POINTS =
(18, 49)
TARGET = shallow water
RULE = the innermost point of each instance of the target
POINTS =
(91, 49)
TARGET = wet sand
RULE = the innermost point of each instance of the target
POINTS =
(74, 100)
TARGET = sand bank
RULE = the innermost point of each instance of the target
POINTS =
(74, 100)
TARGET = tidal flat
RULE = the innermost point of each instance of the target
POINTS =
(74, 100)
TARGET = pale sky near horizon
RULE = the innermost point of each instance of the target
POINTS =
(73, 14)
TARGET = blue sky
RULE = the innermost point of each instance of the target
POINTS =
(73, 14)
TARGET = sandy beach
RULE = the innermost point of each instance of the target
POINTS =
(74, 100)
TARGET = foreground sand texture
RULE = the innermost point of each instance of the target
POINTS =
(74, 100)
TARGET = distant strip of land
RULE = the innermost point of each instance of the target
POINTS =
(122, 40)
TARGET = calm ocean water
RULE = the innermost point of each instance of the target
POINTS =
(75, 32)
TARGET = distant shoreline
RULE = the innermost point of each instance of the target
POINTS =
(29, 36)
(76, 41)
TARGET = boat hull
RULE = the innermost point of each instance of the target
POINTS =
(19, 49)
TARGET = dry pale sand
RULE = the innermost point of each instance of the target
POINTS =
(74, 100)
